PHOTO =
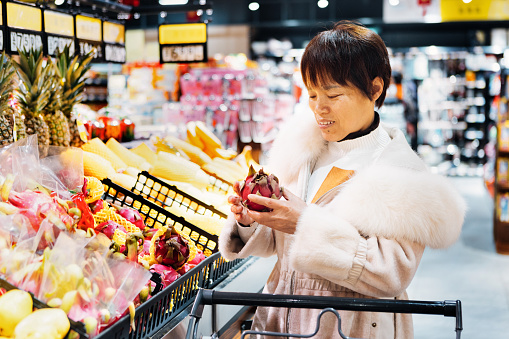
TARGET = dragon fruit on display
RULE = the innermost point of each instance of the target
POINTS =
(170, 248)
(132, 216)
(262, 184)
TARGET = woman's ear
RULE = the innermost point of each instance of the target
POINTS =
(377, 88)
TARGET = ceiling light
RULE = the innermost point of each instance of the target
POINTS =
(59, 2)
(253, 6)
(173, 2)
(394, 2)
(322, 3)
(467, 1)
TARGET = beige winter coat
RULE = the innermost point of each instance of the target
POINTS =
(364, 238)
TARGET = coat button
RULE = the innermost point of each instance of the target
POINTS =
(373, 324)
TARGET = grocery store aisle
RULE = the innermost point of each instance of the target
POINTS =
(471, 271)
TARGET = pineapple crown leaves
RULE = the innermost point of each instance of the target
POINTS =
(35, 90)
(6, 81)
(72, 71)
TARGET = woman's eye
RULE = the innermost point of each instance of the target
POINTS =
(333, 96)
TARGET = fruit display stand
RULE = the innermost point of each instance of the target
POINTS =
(165, 310)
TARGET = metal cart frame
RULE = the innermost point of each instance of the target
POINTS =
(447, 308)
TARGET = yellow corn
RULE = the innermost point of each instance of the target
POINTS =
(124, 180)
(127, 156)
(195, 154)
(192, 136)
(96, 166)
(209, 139)
(98, 147)
(173, 167)
(145, 152)
(231, 166)
(208, 223)
(220, 172)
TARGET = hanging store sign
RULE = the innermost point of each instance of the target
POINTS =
(59, 28)
(114, 42)
(453, 10)
(25, 27)
(89, 36)
(183, 43)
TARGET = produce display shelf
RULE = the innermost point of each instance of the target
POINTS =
(76, 326)
(163, 307)
(165, 194)
(156, 216)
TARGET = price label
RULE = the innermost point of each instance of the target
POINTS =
(26, 41)
(113, 33)
(114, 53)
(58, 23)
(183, 53)
(182, 34)
(58, 43)
(87, 46)
(24, 17)
(1, 39)
(88, 28)
(1, 15)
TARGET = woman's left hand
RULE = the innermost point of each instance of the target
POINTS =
(284, 214)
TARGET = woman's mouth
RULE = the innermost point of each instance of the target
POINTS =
(325, 124)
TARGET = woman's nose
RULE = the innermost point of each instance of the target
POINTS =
(322, 105)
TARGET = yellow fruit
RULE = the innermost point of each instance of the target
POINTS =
(192, 136)
(172, 167)
(194, 153)
(209, 139)
(43, 323)
(238, 172)
(219, 172)
(227, 154)
(124, 180)
(98, 147)
(127, 156)
(146, 152)
(96, 166)
(15, 305)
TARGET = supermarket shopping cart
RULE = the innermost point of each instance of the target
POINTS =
(204, 297)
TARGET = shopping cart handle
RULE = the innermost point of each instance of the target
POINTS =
(448, 308)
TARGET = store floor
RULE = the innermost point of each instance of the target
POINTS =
(470, 271)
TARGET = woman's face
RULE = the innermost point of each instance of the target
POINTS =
(340, 110)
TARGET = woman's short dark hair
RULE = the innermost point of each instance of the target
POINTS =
(348, 54)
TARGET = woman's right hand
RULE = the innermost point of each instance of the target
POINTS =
(239, 210)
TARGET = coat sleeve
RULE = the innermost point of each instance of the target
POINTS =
(235, 243)
(332, 248)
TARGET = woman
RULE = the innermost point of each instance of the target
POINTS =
(359, 205)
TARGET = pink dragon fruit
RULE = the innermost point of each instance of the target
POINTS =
(198, 258)
(109, 227)
(133, 216)
(184, 269)
(168, 274)
(171, 249)
(37, 206)
(262, 184)
(96, 206)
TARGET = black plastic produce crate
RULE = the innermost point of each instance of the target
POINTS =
(165, 194)
(165, 309)
(156, 216)
(76, 326)
(162, 310)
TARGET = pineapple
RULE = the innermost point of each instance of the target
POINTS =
(6, 88)
(56, 120)
(33, 94)
(72, 72)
